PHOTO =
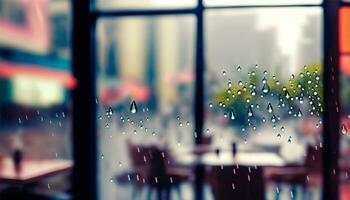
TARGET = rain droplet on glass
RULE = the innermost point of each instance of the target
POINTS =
(269, 108)
(286, 94)
(232, 115)
(343, 129)
(109, 112)
(250, 112)
(265, 88)
(299, 113)
(133, 107)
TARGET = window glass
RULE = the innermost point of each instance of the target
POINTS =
(144, 4)
(344, 30)
(344, 143)
(264, 90)
(148, 61)
(258, 2)
(35, 105)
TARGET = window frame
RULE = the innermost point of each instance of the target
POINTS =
(85, 17)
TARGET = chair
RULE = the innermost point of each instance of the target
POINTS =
(152, 168)
(305, 176)
(237, 182)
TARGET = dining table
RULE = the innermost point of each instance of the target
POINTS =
(231, 176)
(31, 170)
(214, 156)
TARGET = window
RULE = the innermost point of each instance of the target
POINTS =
(35, 102)
(344, 14)
(160, 78)
(200, 49)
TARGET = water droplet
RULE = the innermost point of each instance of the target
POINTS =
(250, 112)
(290, 139)
(279, 135)
(232, 115)
(225, 115)
(299, 113)
(210, 105)
(264, 80)
(100, 117)
(269, 108)
(273, 118)
(265, 88)
(102, 156)
(153, 133)
(286, 94)
(253, 92)
(133, 107)
(187, 123)
(239, 68)
(208, 131)
(224, 73)
(111, 180)
(343, 129)
(265, 72)
(229, 84)
(282, 129)
(109, 112)
(107, 125)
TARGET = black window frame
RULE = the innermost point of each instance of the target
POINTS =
(85, 16)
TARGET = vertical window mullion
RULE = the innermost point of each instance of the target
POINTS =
(199, 97)
(84, 106)
(331, 101)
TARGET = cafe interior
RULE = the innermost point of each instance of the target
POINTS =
(174, 100)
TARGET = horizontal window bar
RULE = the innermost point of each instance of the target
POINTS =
(121, 13)
(125, 13)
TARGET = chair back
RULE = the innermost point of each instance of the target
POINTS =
(313, 160)
(140, 157)
(243, 183)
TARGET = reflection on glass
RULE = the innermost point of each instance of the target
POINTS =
(258, 2)
(264, 92)
(344, 48)
(144, 4)
(344, 164)
(35, 82)
(145, 88)
(344, 31)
